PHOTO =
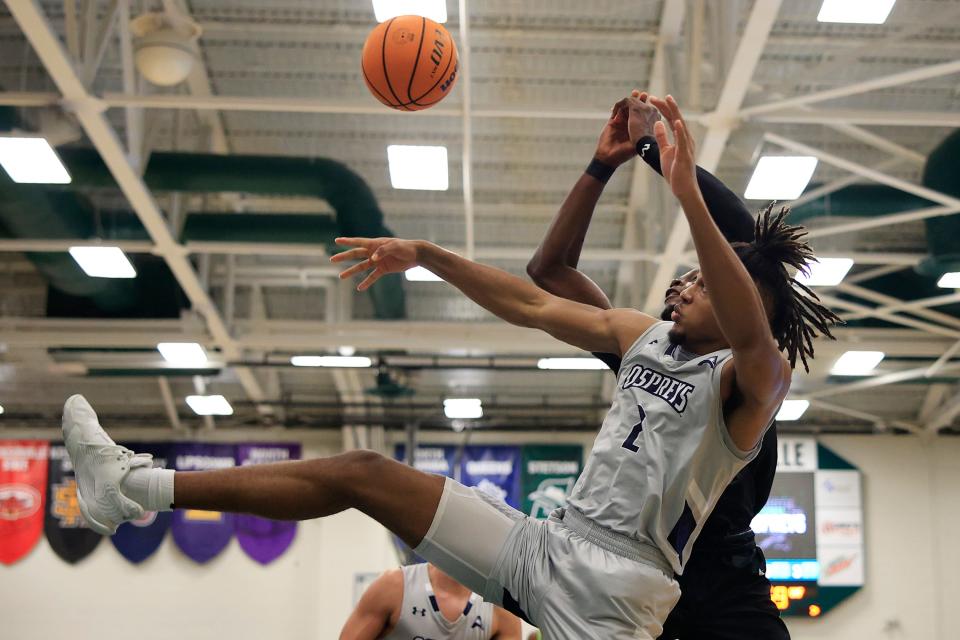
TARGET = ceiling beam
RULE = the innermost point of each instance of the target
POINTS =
(874, 221)
(88, 111)
(840, 183)
(875, 117)
(876, 381)
(868, 312)
(466, 162)
(943, 416)
(942, 361)
(671, 23)
(873, 84)
(198, 83)
(490, 252)
(911, 306)
(879, 142)
(889, 303)
(866, 172)
(745, 61)
(880, 422)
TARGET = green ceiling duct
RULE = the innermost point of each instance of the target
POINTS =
(859, 200)
(28, 211)
(31, 211)
(357, 211)
(942, 172)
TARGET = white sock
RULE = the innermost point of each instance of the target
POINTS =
(152, 489)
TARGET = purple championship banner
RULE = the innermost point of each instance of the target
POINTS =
(202, 535)
(495, 470)
(262, 539)
(138, 540)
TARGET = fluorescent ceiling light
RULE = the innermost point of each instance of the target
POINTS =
(463, 408)
(331, 361)
(210, 405)
(792, 409)
(436, 10)
(857, 363)
(103, 262)
(950, 280)
(825, 272)
(346, 350)
(1, 409)
(859, 11)
(183, 354)
(423, 168)
(31, 160)
(570, 364)
(780, 177)
(419, 274)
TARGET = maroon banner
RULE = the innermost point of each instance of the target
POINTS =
(262, 539)
(23, 486)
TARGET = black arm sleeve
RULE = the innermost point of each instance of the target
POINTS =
(727, 210)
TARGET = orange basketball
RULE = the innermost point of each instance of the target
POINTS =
(409, 63)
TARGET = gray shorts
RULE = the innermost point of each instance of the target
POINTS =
(558, 574)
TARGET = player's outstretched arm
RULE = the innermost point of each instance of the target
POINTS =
(506, 626)
(511, 298)
(554, 265)
(379, 603)
(762, 373)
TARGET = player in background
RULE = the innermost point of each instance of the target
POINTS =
(420, 601)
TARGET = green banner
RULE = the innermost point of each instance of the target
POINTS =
(549, 473)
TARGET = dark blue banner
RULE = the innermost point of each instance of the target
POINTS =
(495, 470)
(138, 540)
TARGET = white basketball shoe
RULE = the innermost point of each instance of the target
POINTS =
(100, 465)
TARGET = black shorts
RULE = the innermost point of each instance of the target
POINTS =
(725, 597)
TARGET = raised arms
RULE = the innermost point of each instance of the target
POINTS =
(554, 265)
(761, 373)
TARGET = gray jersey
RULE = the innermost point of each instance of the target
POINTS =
(420, 617)
(663, 455)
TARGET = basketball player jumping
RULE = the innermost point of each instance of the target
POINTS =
(420, 601)
(693, 401)
(724, 594)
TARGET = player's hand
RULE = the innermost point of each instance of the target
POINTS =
(678, 159)
(614, 147)
(641, 117)
(379, 256)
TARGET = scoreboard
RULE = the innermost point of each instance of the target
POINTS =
(811, 529)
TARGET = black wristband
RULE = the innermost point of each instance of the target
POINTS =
(645, 144)
(648, 150)
(599, 170)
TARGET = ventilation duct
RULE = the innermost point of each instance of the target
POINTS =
(30, 211)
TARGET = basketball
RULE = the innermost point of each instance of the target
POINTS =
(409, 63)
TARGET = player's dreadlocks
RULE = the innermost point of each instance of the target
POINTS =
(798, 315)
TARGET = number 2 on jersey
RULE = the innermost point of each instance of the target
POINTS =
(630, 443)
